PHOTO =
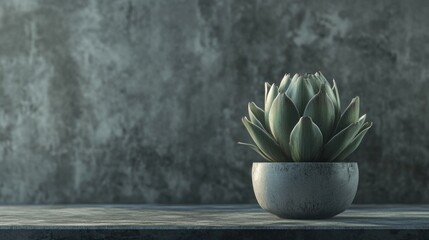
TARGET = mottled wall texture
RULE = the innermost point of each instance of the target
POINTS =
(140, 101)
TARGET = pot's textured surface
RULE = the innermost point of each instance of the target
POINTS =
(305, 190)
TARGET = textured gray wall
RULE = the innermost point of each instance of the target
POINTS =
(140, 101)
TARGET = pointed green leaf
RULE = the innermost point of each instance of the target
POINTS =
(354, 144)
(256, 149)
(365, 125)
(331, 95)
(295, 76)
(315, 82)
(264, 141)
(338, 103)
(306, 141)
(255, 121)
(283, 116)
(321, 77)
(322, 112)
(300, 92)
(350, 115)
(267, 89)
(340, 141)
(284, 84)
(257, 113)
(272, 94)
(328, 88)
(362, 120)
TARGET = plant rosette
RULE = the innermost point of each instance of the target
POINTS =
(305, 137)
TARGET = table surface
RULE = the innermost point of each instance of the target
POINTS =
(185, 218)
(207, 216)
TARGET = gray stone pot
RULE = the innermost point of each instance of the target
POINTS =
(306, 190)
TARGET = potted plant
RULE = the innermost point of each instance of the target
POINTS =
(305, 137)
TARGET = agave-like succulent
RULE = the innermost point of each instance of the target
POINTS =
(302, 122)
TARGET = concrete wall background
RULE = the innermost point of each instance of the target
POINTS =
(140, 101)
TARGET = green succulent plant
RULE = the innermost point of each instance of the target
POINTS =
(302, 121)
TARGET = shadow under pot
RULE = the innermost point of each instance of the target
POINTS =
(305, 190)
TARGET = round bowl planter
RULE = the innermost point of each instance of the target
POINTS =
(305, 190)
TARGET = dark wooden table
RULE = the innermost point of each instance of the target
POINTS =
(207, 222)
